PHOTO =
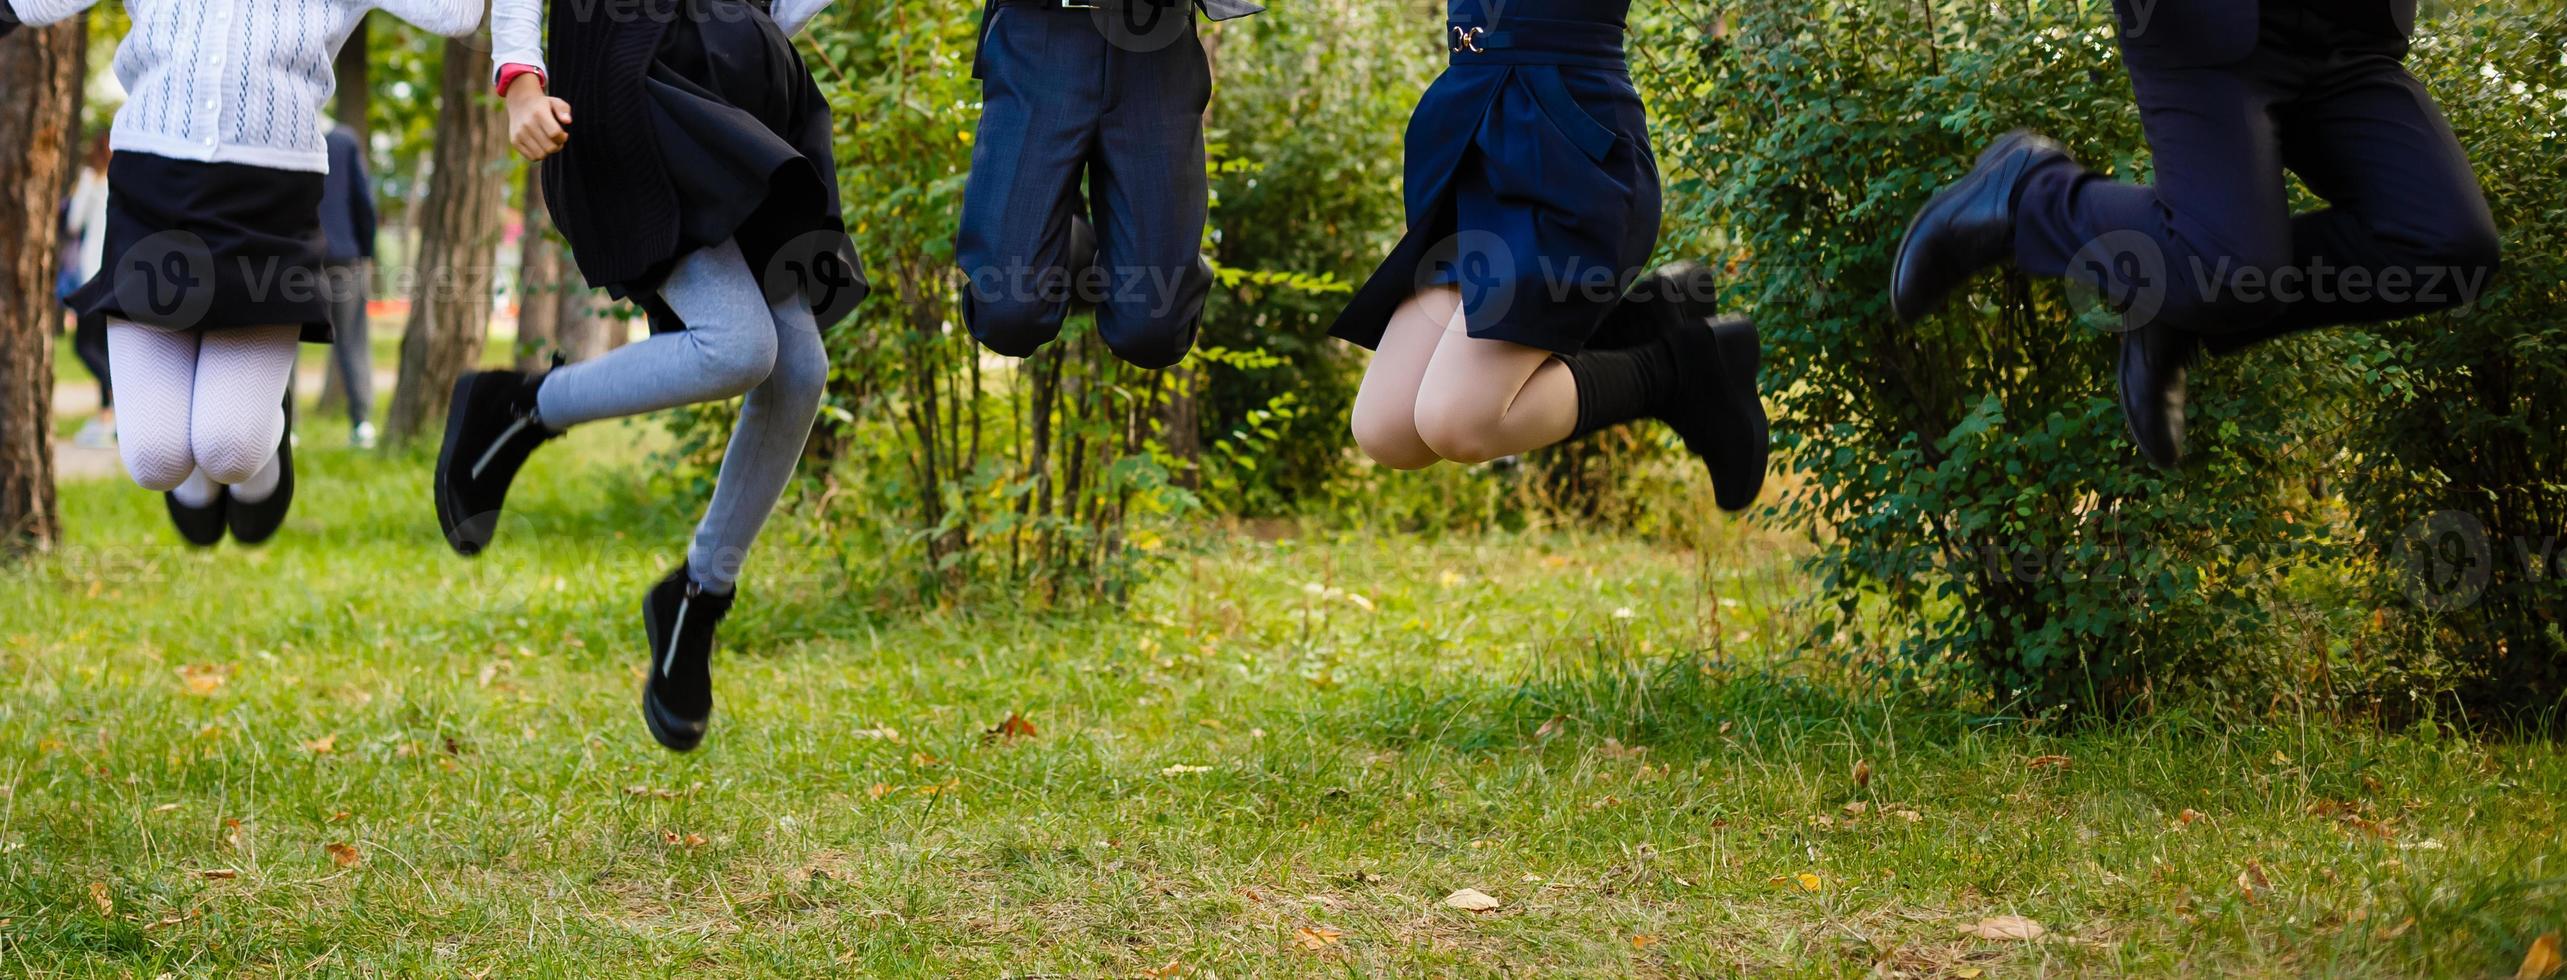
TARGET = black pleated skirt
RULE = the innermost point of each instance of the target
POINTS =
(744, 137)
(210, 246)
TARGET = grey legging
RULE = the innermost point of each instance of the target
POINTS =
(734, 343)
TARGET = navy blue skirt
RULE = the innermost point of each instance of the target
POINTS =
(1530, 184)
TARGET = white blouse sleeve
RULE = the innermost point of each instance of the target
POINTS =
(38, 13)
(452, 18)
(517, 34)
(793, 15)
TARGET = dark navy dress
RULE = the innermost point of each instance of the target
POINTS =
(1530, 183)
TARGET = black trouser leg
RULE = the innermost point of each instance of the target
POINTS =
(89, 343)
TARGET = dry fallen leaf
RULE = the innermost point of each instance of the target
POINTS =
(1910, 816)
(1173, 968)
(1015, 727)
(1804, 881)
(2014, 927)
(880, 790)
(343, 854)
(1317, 937)
(1862, 774)
(1471, 900)
(1857, 808)
(1614, 749)
(202, 680)
(324, 745)
(2543, 961)
(1643, 941)
(1182, 769)
(1551, 728)
(99, 896)
(218, 874)
(882, 732)
(2252, 882)
(2047, 762)
(2187, 817)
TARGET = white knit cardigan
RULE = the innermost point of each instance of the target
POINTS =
(239, 81)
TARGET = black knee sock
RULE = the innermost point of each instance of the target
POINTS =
(1617, 386)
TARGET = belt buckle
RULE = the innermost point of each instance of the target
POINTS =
(1466, 40)
(1080, 5)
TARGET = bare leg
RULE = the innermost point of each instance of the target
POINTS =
(1385, 415)
(1486, 399)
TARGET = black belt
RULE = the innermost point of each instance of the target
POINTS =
(1525, 41)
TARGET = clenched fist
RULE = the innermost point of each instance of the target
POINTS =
(538, 124)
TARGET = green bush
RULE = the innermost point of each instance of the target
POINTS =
(1969, 478)
(2460, 488)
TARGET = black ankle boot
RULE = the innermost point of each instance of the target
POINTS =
(491, 427)
(1665, 301)
(255, 523)
(677, 702)
(1719, 412)
(200, 526)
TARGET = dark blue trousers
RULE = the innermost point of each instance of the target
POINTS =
(1093, 114)
(2212, 246)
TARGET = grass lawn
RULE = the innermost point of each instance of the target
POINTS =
(353, 753)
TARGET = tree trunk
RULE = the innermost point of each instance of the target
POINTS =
(356, 99)
(539, 280)
(458, 241)
(355, 72)
(40, 69)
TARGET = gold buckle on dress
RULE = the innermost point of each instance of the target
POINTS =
(1466, 40)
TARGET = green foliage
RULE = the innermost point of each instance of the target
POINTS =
(1970, 476)
(2461, 490)
(1311, 111)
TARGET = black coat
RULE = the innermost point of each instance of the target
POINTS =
(2205, 33)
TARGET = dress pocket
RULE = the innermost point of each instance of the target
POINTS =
(1591, 137)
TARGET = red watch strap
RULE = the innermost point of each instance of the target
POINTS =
(508, 73)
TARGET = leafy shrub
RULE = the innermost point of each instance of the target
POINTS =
(2461, 485)
(1969, 476)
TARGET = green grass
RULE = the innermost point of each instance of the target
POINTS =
(1244, 773)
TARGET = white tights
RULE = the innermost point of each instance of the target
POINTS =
(198, 409)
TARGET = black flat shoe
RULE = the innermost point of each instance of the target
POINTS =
(2154, 365)
(1668, 300)
(1966, 228)
(491, 427)
(255, 523)
(1721, 416)
(200, 526)
(677, 702)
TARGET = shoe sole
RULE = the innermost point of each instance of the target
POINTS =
(457, 535)
(672, 741)
(1742, 351)
(1935, 205)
